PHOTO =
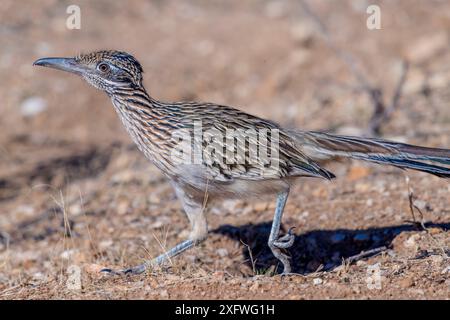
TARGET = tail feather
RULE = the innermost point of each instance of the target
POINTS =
(320, 146)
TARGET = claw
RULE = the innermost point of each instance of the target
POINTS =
(110, 271)
(135, 270)
(284, 244)
(130, 271)
(285, 241)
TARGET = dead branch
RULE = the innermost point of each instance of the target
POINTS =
(365, 254)
(381, 113)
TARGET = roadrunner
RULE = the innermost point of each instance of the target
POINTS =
(158, 127)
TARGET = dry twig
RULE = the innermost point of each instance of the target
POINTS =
(364, 254)
(381, 111)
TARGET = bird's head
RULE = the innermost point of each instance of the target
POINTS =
(105, 70)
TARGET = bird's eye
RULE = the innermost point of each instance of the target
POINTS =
(103, 67)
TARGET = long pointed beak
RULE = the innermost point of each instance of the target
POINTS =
(64, 64)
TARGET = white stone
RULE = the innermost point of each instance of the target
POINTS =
(317, 281)
(33, 106)
(222, 252)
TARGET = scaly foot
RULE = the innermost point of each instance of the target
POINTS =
(129, 271)
(283, 242)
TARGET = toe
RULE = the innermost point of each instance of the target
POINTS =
(128, 271)
(134, 270)
(110, 271)
(285, 242)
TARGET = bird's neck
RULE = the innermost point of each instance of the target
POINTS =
(145, 120)
(135, 103)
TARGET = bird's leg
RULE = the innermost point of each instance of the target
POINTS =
(194, 211)
(179, 248)
(277, 243)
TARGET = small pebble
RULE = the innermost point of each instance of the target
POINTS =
(222, 252)
(446, 270)
(317, 281)
(406, 282)
(67, 254)
(33, 106)
(254, 287)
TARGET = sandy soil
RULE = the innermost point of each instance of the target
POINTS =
(76, 195)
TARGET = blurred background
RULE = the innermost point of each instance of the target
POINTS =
(73, 189)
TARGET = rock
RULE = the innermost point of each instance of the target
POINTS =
(260, 206)
(434, 231)
(358, 172)
(122, 206)
(164, 294)
(406, 282)
(75, 209)
(154, 198)
(411, 241)
(446, 270)
(222, 252)
(255, 287)
(33, 106)
(317, 281)
(304, 215)
(73, 281)
(67, 254)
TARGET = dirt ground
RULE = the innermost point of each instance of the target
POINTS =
(76, 195)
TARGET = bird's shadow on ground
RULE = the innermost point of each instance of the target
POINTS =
(324, 249)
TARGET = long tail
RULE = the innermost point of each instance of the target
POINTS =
(321, 146)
